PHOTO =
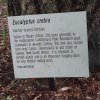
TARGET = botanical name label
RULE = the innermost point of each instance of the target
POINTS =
(49, 45)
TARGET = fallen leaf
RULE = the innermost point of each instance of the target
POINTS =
(64, 89)
(89, 98)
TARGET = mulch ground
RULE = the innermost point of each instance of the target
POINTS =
(37, 89)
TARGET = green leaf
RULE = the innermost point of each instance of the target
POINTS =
(4, 32)
(9, 98)
(2, 1)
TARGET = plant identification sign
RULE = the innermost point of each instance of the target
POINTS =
(49, 45)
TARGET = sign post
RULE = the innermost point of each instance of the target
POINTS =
(52, 85)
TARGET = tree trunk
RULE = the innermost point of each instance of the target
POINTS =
(26, 7)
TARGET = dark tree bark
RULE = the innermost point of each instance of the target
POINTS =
(25, 7)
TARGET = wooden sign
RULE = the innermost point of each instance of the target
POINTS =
(49, 45)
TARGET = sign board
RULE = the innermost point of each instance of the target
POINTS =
(49, 45)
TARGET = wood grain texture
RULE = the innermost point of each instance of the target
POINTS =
(26, 7)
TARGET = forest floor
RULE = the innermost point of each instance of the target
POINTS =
(33, 89)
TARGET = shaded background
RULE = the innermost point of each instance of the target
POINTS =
(28, 7)
(37, 89)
